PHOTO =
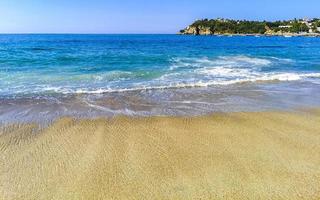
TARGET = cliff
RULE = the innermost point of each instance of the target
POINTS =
(197, 30)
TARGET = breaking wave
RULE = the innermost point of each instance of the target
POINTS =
(263, 78)
(182, 72)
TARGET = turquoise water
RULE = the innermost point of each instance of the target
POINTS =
(153, 74)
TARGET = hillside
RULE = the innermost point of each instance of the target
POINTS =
(229, 26)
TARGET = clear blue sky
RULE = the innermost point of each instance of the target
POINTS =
(138, 16)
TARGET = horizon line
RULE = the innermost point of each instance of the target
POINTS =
(78, 33)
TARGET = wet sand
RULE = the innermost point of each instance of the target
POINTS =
(262, 155)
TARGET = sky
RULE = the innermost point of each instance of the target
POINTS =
(139, 16)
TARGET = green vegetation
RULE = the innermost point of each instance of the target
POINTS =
(231, 26)
(316, 25)
(227, 26)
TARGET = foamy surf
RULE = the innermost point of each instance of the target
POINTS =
(199, 72)
(110, 75)
(259, 79)
(183, 72)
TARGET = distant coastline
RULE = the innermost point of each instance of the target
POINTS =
(229, 27)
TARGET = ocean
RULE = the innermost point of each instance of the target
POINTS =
(44, 77)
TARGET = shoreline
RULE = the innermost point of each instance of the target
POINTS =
(244, 155)
(244, 97)
(257, 35)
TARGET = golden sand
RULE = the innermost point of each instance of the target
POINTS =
(267, 155)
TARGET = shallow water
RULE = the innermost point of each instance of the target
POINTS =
(43, 77)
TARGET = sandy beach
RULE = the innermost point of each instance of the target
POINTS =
(261, 155)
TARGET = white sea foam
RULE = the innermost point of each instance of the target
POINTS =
(225, 71)
(235, 61)
(244, 78)
(184, 73)
(286, 60)
(200, 83)
(203, 72)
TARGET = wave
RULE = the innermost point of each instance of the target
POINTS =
(244, 60)
(234, 61)
(262, 78)
(183, 73)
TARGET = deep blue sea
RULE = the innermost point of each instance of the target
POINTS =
(43, 77)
